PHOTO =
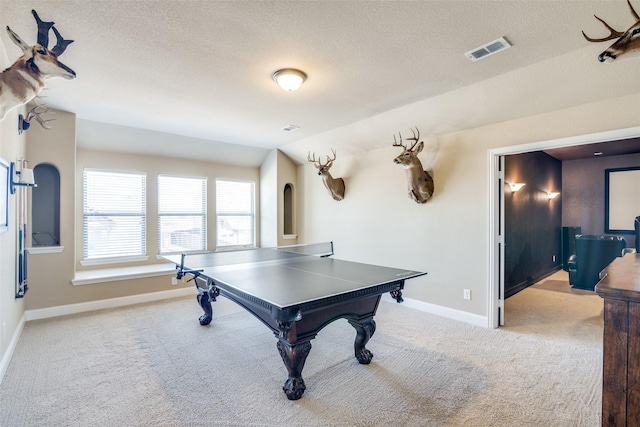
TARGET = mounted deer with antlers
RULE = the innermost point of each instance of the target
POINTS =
(419, 182)
(627, 43)
(334, 185)
(22, 82)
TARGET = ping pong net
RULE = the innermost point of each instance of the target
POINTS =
(194, 264)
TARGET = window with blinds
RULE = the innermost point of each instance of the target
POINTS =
(235, 214)
(182, 214)
(114, 219)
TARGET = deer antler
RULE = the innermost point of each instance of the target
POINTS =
(415, 138)
(330, 160)
(43, 30)
(61, 43)
(43, 35)
(398, 144)
(36, 114)
(309, 157)
(614, 34)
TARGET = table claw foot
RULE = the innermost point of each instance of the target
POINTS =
(364, 356)
(204, 297)
(294, 388)
(397, 295)
(294, 357)
(364, 331)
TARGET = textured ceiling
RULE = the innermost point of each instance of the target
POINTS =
(202, 69)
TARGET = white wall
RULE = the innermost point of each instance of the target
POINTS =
(11, 309)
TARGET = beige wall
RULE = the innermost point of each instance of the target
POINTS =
(276, 171)
(448, 237)
(50, 274)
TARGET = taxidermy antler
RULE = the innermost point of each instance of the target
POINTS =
(35, 114)
(419, 182)
(334, 185)
(22, 82)
(627, 43)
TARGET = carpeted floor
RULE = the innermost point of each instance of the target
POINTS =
(154, 365)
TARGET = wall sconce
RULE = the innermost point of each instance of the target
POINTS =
(24, 177)
(515, 186)
(289, 79)
(552, 194)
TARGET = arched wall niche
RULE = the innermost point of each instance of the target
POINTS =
(289, 222)
(45, 206)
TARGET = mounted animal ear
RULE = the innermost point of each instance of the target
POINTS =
(419, 182)
(334, 185)
(37, 62)
(627, 43)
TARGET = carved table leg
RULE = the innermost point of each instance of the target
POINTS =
(294, 356)
(205, 297)
(364, 331)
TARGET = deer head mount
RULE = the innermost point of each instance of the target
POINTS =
(627, 43)
(22, 82)
(334, 185)
(419, 182)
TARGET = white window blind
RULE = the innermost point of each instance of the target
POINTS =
(182, 214)
(114, 220)
(235, 217)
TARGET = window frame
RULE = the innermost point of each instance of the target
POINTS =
(142, 256)
(203, 214)
(252, 214)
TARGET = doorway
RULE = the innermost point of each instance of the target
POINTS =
(495, 294)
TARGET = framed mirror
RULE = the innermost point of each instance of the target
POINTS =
(621, 199)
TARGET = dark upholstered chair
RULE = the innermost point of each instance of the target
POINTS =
(593, 254)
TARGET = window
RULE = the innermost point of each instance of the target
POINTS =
(114, 214)
(235, 213)
(182, 214)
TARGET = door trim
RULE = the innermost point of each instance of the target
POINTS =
(495, 270)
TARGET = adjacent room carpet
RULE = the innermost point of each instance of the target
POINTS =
(154, 365)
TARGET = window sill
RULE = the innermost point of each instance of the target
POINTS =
(89, 277)
(45, 250)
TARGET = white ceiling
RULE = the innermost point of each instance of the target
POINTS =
(202, 70)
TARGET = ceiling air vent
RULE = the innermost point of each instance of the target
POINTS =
(290, 128)
(488, 49)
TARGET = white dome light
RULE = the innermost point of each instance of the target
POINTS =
(289, 79)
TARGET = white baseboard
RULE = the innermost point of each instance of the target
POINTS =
(63, 310)
(446, 312)
(6, 358)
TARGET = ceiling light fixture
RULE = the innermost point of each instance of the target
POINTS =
(289, 79)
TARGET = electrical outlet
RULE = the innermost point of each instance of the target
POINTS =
(174, 281)
(553, 258)
(467, 294)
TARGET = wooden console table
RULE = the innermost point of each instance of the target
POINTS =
(620, 288)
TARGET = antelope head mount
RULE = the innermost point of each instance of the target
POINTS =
(627, 43)
(419, 182)
(24, 80)
(334, 185)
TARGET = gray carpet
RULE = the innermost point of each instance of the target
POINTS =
(154, 365)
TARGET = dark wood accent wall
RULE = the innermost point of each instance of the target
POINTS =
(533, 223)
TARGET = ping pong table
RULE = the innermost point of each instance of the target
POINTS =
(295, 291)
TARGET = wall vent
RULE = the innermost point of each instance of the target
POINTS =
(488, 49)
(290, 128)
